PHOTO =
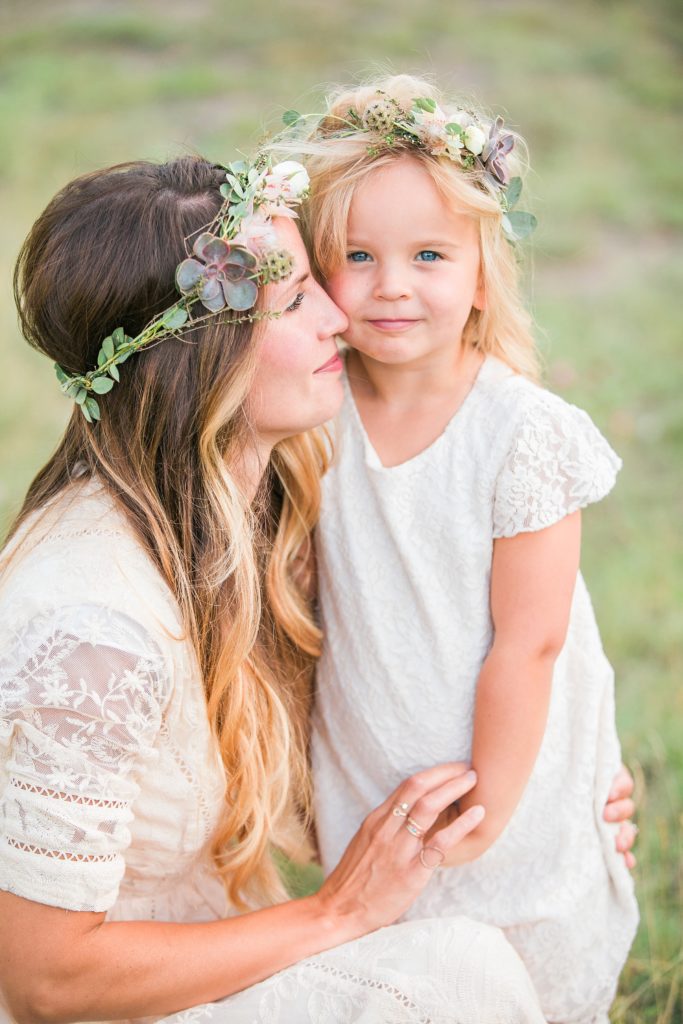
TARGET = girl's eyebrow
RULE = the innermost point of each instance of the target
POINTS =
(420, 244)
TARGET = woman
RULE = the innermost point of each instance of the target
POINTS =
(157, 642)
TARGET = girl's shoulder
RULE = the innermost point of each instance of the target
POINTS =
(547, 457)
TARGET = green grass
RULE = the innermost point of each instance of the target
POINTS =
(596, 88)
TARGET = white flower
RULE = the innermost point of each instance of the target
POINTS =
(475, 139)
(257, 232)
(287, 180)
(460, 117)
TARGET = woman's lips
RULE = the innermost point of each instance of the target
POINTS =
(332, 365)
(392, 325)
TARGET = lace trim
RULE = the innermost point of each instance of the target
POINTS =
(60, 854)
(191, 778)
(382, 986)
(69, 798)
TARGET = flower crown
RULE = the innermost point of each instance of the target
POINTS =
(460, 136)
(234, 254)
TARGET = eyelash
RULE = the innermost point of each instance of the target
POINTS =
(297, 302)
(432, 252)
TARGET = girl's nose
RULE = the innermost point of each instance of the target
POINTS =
(391, 284)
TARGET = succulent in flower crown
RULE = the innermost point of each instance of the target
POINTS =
(459, 135)
(231, 258)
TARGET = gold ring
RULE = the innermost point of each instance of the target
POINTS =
(401, 810)
(415, 830)
(423, 859)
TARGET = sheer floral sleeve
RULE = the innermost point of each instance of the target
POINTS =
(557, 463)
(82, 692)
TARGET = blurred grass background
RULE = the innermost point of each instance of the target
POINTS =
(596, 87)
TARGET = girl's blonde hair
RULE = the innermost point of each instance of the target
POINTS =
(339, 157)
(168, 435)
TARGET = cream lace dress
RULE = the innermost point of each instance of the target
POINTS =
(111, 786)
(404, 558)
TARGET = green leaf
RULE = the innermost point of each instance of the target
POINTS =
(101, 385)
(123, 356)
(226, 190)
(425, 104)
(108, 347)
(62, 377)
(118, 336)
(113, 370)
(86, 414)
(513, 192)
(521, 224)
(174, 318)
(80, 396)
(291, 117)
(92, 407)
(455, 129)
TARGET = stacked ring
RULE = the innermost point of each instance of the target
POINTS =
(415, 830)
(401, 810)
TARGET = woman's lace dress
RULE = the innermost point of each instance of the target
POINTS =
(111, 786)
(404, 559)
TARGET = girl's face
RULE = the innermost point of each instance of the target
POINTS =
(298, 381)
(412, 272)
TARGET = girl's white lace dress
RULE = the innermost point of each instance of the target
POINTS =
(111, 786)
(404, 558)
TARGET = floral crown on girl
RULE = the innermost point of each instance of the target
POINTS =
(232, 257)
(460, 136)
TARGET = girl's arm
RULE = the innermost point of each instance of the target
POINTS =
(532, 582)
(58, 965)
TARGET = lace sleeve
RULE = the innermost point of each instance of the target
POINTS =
(82, 692)
(558, 462)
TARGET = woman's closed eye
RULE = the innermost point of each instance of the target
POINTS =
(296, 303)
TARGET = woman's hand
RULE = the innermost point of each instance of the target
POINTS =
(619, 808)
(381, 872)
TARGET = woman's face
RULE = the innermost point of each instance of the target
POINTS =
(298, 381)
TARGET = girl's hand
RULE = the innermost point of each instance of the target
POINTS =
(620, 807)
(381, 873)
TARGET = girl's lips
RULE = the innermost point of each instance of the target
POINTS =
(332, 365)
(392, 325)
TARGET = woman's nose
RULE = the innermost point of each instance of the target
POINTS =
(334, 321)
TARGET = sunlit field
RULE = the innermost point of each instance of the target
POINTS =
(596, 89)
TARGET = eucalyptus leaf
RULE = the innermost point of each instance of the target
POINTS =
(513, 192)
(226, 190)
(101, 385)
(118, 336)
(291, 117)
(113, 371)
(455, 129)
(522, 224)
(92, 407)
(101, 357)
(80, 396)
(175, 318)
(108, 347)
(86, 414)
(121, 358)
(61, 376)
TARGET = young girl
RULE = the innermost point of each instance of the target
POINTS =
(457, 623)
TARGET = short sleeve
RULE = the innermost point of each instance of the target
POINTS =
(82, 693)
(558, 462)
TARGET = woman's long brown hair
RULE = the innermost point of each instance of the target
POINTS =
(103, 255)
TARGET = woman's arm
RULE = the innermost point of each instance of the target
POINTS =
(532, 582)
(57, 965)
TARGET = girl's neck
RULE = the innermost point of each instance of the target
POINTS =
(404, 409)
(406, 385)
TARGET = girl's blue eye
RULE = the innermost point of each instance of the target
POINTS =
(428, 256)
(297, 302)
(358, 257)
